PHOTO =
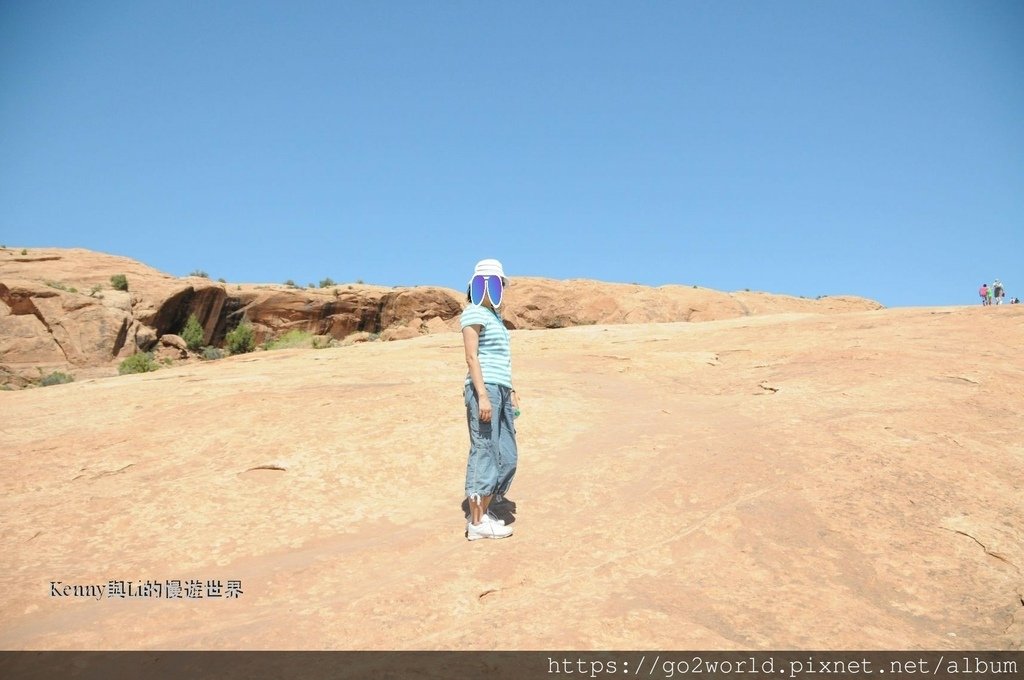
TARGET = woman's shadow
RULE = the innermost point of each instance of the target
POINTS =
(503, 509)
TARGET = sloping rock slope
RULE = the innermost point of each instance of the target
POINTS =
(792, 481)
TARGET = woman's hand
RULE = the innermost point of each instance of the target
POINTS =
(485, 408)
(515, 400)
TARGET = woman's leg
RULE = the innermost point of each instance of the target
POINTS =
(508, 453)
(481, 468)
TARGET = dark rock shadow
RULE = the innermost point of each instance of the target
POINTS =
(504, 509)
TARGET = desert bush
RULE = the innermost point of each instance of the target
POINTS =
(200, 273)
(96, 289)
(211, 353)
(119, 282)
(290, 284)
(326, 283)
(320, 342)
(242, 339)
(291, 340)
(138, 363)
(62, 286)
(221, 280)
(56, 378)
(192, 333)
(24, 252)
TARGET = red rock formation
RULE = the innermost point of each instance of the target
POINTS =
(58, 310)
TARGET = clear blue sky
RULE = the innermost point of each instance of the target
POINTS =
(861, 147)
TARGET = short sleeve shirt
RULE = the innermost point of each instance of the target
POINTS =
(494, 352)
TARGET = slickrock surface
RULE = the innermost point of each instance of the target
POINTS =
(792, 481)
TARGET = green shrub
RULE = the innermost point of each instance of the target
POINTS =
(212, 353)
(56, 378)
(24, 252)
(326, 283)
(292, 339)
(119, 282)
(96, 289)
(192, 334)
(61, 286)
(138, 363)
(359, 281)
(242, 339)
(200, 273)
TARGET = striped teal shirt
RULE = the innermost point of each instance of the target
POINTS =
(495, 352)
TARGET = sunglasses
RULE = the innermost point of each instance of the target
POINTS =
(486, 283)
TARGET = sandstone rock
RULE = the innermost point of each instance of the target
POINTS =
(174, 341)
(436, 324)
(664, 498)
(353, 338)
(145, 337)
(399, 333)
(171, 352)
(41, 325)
(71, 328)
(400, 307)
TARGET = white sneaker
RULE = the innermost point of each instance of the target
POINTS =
(487, 529)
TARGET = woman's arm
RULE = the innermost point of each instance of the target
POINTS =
(471, 341)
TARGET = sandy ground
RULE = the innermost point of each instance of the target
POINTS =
(792, 481)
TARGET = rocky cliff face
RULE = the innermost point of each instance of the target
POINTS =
(58, 311)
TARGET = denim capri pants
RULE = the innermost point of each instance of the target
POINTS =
(492, 446)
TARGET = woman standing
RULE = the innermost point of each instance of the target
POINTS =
(490, 400)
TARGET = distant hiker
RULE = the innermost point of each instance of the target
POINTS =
(983, 292)
(490, 401)
(1015, 301)
(991, 294)
(998, 291)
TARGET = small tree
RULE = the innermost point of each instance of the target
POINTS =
(242, 339)
(193, 333)
(326, 283)
(119, 282)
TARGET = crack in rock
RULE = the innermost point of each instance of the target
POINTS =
(983, 547)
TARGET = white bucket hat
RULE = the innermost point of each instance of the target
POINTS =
(488, 268)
